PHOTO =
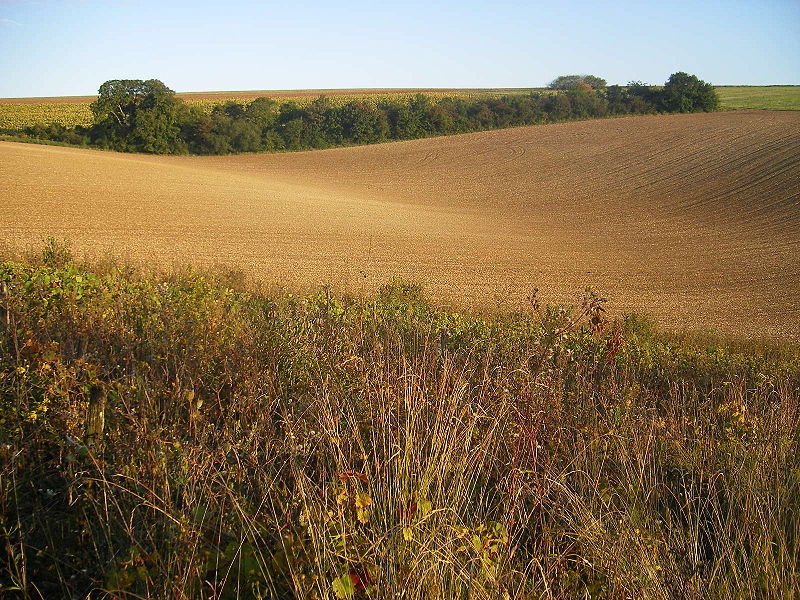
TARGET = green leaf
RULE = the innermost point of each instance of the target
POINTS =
(343, 587)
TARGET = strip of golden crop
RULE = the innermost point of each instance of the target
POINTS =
(18, 113)
(17, 116)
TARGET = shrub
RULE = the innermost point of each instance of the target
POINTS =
(686, 93)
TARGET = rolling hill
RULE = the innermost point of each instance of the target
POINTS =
(694, 219)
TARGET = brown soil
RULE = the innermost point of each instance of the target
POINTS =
(694, 219)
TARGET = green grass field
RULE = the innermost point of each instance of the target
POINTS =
(779, 97)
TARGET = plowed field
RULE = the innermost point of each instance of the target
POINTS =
(694, 219)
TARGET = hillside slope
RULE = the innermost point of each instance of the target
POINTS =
(692, 218)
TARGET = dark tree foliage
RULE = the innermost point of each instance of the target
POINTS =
(140, 116)
(585, 103)
(78, 136)
(263, 112)
(635, 98)
(145, 116)
(569, 82)
(558, 107)
(318, 118)
(364, 124)
(686, 93)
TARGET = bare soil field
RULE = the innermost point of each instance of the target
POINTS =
(693, 219)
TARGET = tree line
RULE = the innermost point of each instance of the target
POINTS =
(147, 116)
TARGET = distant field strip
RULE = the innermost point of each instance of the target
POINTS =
(18, 113)
(786, 97)
(694, 219)
(18, 116)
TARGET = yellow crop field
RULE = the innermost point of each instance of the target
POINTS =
(19, 113)
(16, 116)
(694, 219)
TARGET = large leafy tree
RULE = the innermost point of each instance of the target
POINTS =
(139, 115)
(686, 93)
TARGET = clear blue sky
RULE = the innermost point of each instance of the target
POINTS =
(61, 47)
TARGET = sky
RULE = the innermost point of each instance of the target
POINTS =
(70, 47)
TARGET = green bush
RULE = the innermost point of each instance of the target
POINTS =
(686, 93)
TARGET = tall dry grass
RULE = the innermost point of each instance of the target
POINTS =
(262, 446)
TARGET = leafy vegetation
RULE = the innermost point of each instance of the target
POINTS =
(182, 436)
(686, 93)
(146, 116)
(568, 82)
(24, 115)
(135, 115)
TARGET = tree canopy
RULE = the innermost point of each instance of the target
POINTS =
(686, 93)
(134, 115)
(570, 82)
(139, 115)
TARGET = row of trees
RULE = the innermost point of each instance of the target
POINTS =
(681, 93)
(146, 116)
